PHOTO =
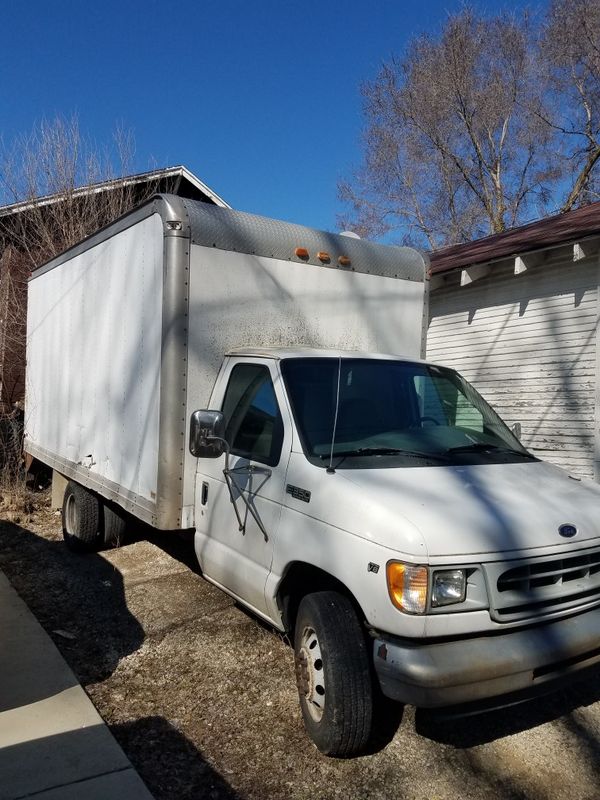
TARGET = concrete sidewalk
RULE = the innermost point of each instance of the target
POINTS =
(53, 743)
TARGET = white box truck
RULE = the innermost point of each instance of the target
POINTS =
(200, 368)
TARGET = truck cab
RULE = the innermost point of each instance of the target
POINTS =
(386, 495)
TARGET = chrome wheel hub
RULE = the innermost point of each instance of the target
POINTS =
(309, 673)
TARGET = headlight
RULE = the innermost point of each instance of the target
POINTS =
(448, 586)
(407, 586)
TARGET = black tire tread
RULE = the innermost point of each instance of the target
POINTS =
(346, 726)
(114, 525)
(89, 518)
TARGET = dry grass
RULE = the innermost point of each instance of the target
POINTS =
(17, 501)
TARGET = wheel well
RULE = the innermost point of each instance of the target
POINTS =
(301, 579)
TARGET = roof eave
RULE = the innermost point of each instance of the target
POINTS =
(168, 172)
(578, 225)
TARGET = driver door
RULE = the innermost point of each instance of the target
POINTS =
(237, 513)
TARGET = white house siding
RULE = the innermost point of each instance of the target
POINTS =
(528, 343)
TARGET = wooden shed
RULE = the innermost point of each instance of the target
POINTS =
(517, 314)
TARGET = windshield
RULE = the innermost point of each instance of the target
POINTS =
(393, 413)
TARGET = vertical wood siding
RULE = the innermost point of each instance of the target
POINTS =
(528, 344)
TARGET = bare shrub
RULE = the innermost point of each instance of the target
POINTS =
(14, 272)
(17, 500)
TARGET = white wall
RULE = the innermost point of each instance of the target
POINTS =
(528, 343)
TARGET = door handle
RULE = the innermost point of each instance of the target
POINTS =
(204, 493)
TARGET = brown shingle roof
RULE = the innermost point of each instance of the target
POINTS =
(571, 225)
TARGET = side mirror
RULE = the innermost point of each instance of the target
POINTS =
(207, 432)
(516, 430)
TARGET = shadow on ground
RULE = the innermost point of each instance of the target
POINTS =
(78, 599)
(179, 769)
(229, 688)
(460, 730)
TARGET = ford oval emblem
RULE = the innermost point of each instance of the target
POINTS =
(568, 531)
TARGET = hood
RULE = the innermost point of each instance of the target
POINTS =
(483, 509)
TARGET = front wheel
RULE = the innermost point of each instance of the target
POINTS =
(333, 674)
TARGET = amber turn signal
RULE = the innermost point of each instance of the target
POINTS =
(407, 586)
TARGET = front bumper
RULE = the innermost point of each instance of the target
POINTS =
(441, 673)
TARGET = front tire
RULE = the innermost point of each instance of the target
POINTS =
(80, 518)
(333, 674)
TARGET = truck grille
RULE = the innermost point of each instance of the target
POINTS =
(540, 587)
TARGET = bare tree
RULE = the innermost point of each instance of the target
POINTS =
(491, 123)
(14, 272)
(452, 150)
(68, 186)
(570, 44)
(57, 187)
(13, 281)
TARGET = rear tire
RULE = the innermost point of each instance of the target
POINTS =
(114, 525)
(333, 674)
(80, 518)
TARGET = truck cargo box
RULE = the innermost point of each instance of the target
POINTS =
(126, 332)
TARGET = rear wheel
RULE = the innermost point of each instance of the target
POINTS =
(80, 518)
(333, 674)
(114, 525)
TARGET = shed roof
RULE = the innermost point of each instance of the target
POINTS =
(188, 185)
(551, 231)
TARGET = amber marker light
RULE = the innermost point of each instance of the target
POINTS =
(301, 252)
(344, 261)
(324, 257)
(407, 586)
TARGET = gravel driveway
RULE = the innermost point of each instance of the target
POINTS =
(202, 699)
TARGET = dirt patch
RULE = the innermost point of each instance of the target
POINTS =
(201, 696)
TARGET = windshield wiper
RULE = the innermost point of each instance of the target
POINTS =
(383, 451)
(482, 447)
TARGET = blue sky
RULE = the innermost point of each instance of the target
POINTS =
(260, 99)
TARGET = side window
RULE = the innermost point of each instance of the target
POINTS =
(254, 425)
